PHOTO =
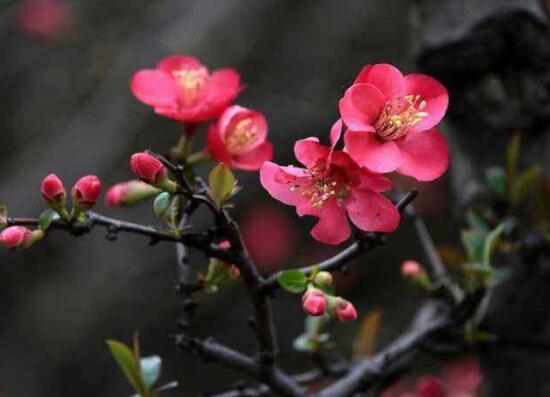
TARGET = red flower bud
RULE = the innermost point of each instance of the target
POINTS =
(86, 191)
(411, 269)
(430, 386)
(345, 311)
(128, 193)
(18, 237)
(314, 302)
(147, 168)
(52, 189)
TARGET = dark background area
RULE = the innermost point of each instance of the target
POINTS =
(66, 108)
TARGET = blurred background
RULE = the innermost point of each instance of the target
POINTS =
(66, 108)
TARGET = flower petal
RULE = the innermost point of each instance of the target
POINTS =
(155, 88)
(310, 152)
(253, 159)
(372, 181)
(179, 62)
(335, 133)
(425, 154)
(333, 226)
(368, 151)
(225, 85)
(215, 146)
(387, 78)
(435, 95)
(372, 212)
(361, 106)
(278, 180)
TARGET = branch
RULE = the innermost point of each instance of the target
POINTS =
(366, 243)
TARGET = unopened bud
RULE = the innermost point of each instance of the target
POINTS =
(314, 302)
(128, 193)
(19, 237)
(344, 310)
(323, 280)
(150, 170)
(53, 191)
(412, 269)
(85, 192)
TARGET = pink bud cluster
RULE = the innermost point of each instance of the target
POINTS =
(19, 237)
(84, 193)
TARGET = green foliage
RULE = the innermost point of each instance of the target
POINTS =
(161, 203)
(222, 184)
(219, 273)
(46, 218)
(525, 184)
(497, 182)
(313, 337)
(293, 281)
(473, 242)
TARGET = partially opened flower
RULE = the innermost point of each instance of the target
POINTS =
(239, 139)
(181, 88)
(391, 120)
(331, 185)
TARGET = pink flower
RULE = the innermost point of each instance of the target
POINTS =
(430, 386)
(47, 19)
(411, 269)
(86, 191)
(314, 302)
(345, 311)
(52, 189)
(391, 120)
(15, 237)
(181, 88)
(238, 139)
(147, 168)
(330, 186)
(128, 193)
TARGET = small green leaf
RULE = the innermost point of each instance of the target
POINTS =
(473, 242)
(293, 281)
(46, 218)
(477, 222)
(491, 241)
(512, 156)
(222, 182)
(128, 364)
(496, 179)
(150, 370)
(161, 203)
(304, 343)
(217, 275)
(365, 342)
(525, 183)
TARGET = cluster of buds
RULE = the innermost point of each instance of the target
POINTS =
(316, 301)
(84, 194)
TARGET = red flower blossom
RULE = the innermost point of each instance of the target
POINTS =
(86, 191)
(238, 139)
(331, 185)
(391, 120)
(181, 88)
(52, 189)
(46, 19)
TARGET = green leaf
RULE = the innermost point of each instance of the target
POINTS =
(304, 343)
(525, 183)
(128, 364)
(491, 241)
(218, 274)
(473, 242)
(293, 281)
(512, 156)
(496, 179)
(46, 218)
(222, 182)
(365, 342)
(161, 203)
(150, 370)
(477, 222)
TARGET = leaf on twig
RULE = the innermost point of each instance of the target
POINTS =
(525, 183)
(496, 179)
(293, 281)
(222, 183)
(150, 370)
(46, 218)
(161, 203)
(128, 364)
(473, 242)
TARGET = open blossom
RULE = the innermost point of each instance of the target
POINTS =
(52, 189)
(331, 185)
(183, 89)
(391, 119)
(86, 191)
(239, 139)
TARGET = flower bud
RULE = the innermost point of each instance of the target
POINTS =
(323, 280)
(314, 302)
(86, 191)
(430, 386)
(412, 269)
(128, 193)
(19, 237)
(345, 311)
(52, 190)
(149, 169)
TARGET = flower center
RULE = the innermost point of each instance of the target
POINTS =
(192, 83)
(242, 137)
(321, 188)
(400, 114)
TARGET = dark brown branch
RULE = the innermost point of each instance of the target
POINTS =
(366, 243)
